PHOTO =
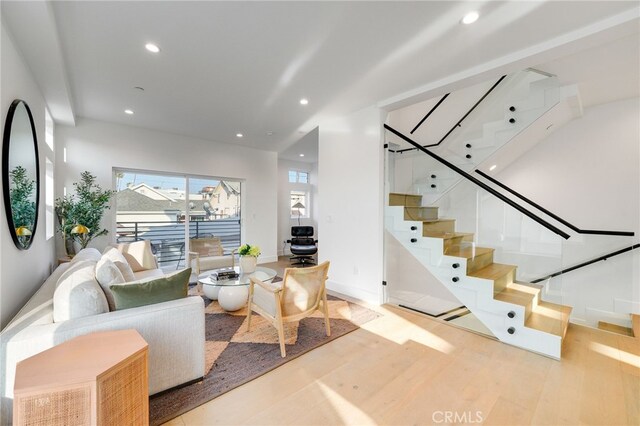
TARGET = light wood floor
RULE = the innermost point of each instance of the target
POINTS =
(404, 368)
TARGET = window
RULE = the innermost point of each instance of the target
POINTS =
(296, 176)
(48, 182)
(299, 204)
(169, 209)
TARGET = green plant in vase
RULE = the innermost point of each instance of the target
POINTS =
(23, 204)
(248, 258)
(84, 211)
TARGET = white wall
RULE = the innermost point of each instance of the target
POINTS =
(350, 203)
(100, 147)
(285, 222)
(22, 272)
(588, 172)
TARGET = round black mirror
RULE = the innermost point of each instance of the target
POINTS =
(20, 174)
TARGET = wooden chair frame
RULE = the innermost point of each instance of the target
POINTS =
(279, 319)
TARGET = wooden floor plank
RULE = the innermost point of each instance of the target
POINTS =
(404, 368)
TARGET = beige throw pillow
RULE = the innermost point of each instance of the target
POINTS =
(116, 257)
(88, 253)
(78, 294)
(107, 274)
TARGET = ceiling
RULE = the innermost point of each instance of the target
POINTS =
(242, 67)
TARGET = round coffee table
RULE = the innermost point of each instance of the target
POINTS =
(232, 294)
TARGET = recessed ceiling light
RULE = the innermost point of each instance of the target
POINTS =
(269, 133)
(152, 48)
(239, 135)
(492, 168)
(470, 17)
(304, 101)
(128, 111)
(301, 155)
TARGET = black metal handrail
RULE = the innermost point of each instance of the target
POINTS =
(480, 184)
(458, 124)
(548, 213)
(587, 263)
(435, 107)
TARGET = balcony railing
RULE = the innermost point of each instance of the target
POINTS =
(168, 237)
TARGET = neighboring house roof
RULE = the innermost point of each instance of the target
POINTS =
(131, 201)
(136, 188)
(232, 188)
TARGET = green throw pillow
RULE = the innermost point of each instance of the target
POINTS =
(169, 287)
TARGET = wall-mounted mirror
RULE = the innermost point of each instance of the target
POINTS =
(20, 174)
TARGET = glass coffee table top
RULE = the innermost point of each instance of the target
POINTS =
(261, 273)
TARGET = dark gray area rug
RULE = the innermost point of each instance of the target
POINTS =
(235, 356)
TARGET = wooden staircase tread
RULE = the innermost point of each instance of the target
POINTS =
(615, 328)
(442, 234)
(549, 318)
(405, 200)
(468, 252)
(515, 296)
(635, 325)
(535, 286)
(566, 310)
(525, 288)
(440, 219)
(405, 195)
(493, 271)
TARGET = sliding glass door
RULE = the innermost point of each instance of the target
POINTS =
(171, 210)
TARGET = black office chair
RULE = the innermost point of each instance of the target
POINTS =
(303, 246)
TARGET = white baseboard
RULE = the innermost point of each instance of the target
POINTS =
(356, 293)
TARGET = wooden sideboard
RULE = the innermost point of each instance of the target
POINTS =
(98, 379)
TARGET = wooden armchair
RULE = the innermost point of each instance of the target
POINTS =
(299, 295)
(208, 253)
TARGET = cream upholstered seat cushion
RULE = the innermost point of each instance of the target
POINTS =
(107, 274)
(148, 274)
(120, 261)
(78, 294)
(265, 299)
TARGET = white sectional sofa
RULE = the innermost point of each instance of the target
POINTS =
(174, 330)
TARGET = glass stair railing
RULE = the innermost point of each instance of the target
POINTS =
(511, 107)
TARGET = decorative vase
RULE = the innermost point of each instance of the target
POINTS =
(248, 264)
(70, 247)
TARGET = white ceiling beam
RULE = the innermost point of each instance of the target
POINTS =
(39, 44)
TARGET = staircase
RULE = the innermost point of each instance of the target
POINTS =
(513, 311)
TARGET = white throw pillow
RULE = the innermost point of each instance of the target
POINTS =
(88, 253)
(78, 294)
(107, 273)
(116, 257)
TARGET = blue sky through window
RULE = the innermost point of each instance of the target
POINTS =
(162, 181)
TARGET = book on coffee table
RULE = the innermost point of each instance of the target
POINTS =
(224, 274)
